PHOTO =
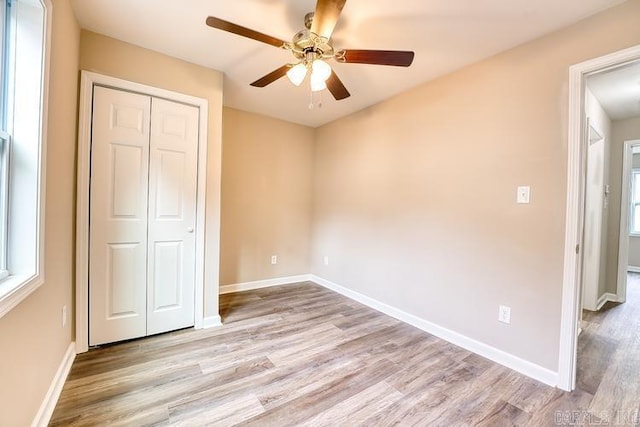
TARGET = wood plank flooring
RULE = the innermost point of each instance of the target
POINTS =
(303, 355)
(609, 359)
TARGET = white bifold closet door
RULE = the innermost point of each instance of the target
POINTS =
(142, 216)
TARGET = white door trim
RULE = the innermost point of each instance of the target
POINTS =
(575, 210)
(623, 235)
(88, 81)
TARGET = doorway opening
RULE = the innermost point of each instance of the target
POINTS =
(590, 222)
(629, 233)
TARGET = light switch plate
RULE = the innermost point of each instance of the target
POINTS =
(524, 194)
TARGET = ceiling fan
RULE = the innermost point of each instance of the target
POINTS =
(311, 48)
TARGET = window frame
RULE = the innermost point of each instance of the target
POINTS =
(21, 282)
(5, 154)
(5, 136)
(633, 205)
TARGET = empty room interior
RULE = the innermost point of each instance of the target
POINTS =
(319, 212)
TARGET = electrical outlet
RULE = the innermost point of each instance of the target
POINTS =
(326, 260)
(504, 314)
(274, 259)
(64, 316)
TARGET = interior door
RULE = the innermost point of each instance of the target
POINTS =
(144, 159)
(118, 216)
(172, 216)
(594, 205)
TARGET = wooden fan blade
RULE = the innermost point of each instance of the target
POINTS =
(399, 58)
(272, 76)
(336, 87)
(230, 27)
(326, 16)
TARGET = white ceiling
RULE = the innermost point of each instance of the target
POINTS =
(618, 91)
(445, 35)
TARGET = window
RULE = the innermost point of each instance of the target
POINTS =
(634, 221)
(5, 137)
(23, 64)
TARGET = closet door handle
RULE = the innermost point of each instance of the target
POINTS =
(189, 229)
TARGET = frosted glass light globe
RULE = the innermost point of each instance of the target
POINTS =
(297, 74)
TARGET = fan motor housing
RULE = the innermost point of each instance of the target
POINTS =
(304, 42)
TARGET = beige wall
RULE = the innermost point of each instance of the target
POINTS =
(266, 197)
(118, 59)
(634, 252)
(415, 198)
(622, 130)
(32, 340)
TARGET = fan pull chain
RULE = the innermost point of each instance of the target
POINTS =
(312, 101)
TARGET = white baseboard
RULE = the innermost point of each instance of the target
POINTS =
(525, 367)
(611, 297)
(633, 269)
(604, 298)
(601, 301)
(247, 286)
(212, 322)
(51, 398)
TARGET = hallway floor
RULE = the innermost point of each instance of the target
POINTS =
(609, 359)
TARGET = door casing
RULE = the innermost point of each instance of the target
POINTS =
(623, 235)
(88, 81)
(574, 216)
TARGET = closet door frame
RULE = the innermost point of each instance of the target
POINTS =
(87, 83)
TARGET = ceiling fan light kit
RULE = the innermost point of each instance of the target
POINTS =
(312, 48)
(297, 74)
(317, 83)
(321, 69)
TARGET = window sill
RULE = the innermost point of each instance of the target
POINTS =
(14, 289)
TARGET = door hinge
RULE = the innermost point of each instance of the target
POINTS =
(577, 249)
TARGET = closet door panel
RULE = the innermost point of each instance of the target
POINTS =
(118, 216)
(172, 216)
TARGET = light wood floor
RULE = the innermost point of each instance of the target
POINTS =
(303, 355)
(609, 359)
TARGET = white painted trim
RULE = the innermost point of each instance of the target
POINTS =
(575, 211)
(42, 201)
(602, 300)
(203, 143)
(611, 297)
(259, 284)
(50, 400)
(525, 367)
(623, 233)
(212, 321)
(88, 81)
(15, 289)
(633, 269)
